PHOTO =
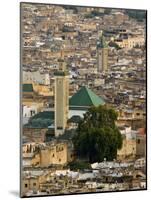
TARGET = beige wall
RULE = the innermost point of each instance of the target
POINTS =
(35, 134)
(141, 146)
(131, 42)
(29, 184)
(43, 90)
(135, 114)
(44, 157)
(128, 149)
(133, 148)
(56, 154)
(32, 102)
(90, 26)
(32, 161)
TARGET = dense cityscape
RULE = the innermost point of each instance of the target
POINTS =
(83, 99)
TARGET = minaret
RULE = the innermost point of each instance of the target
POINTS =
(102, 54)
(61, 97)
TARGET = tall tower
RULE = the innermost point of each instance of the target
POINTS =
(61, 97)
(102, 54)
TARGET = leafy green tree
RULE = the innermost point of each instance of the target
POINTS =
(97, 135)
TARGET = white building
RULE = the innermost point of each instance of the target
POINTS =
(36, 77)
(28, 111)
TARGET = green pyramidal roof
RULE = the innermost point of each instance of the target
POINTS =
(85, 98)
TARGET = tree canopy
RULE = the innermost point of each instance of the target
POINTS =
(97, 135)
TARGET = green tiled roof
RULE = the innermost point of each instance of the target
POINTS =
(86, 98)
(61, 73)
(27, 87)
(41, 120)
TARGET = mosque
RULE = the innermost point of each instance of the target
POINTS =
(66, 108)
(79, 103)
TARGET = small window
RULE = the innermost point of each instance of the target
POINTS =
(34, 184)
(138, 141)
(26, 185)
(61, 149)
(53, 155)
(59, 128)
(59, 160)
